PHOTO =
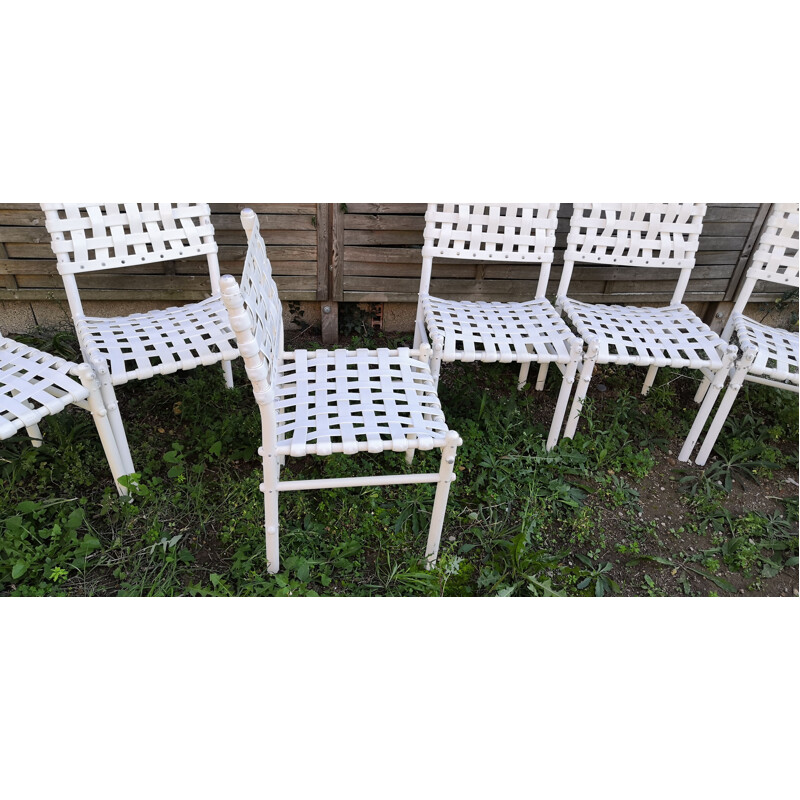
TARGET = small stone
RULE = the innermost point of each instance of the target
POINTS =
(451, 538)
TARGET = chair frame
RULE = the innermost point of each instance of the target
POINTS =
(35, 385)
(649, 236)
(773, 264)
(91, 237)
(480, 232)
(255, 316)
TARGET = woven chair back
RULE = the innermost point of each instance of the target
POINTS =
(522, 232)
(261, 300)
(776, 257)
(636, 234)
(87, 237)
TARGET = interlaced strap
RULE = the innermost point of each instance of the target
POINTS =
(507, 231)
(94, 236)
(671, 336)
(502, 332)
(261, 300)
(160, 342)
(33, 384)
(346, 401)
(777, 356)
(776, 257)
(635, 234)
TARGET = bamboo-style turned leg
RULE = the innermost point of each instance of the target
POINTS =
(446, 476)
(104, 429)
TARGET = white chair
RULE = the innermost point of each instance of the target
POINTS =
(639, 236)
(321, 402)
(90, 237)
(520, 332)
(34, 385)
(768, 355)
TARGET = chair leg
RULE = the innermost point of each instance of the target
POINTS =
(523, 374)
(35, 435)
(270, 489)
(446, 476)
(436, 360)
(702, 389)
(112, 408)
(227, 371)
(542, 377)
(651, 376)
(722, 414)
(567, 382)
(716, 385)
(582, 388)
(104, 431)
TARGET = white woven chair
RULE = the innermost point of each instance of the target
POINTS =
(643, 236)
(34, 385)
(322, 402)
(768, 355)
(90, 237)
(521, 332)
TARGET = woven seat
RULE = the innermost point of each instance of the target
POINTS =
(34, 385)
(504, 332)
(671, 336)
(323, 402)
(91, 237)
(768, 355)
(519, 332)
(160, 342)
(642, 236)
(349, 401)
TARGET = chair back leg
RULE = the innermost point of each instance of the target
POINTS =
(227, 371)
(649, 378)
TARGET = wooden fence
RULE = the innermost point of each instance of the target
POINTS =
(370, 252)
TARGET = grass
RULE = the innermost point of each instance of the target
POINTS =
(608, 513)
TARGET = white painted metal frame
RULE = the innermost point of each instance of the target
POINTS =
(89, 237)
(649, 236)
(768, 355)
(322, 402)
(520, 332)
(34, 385)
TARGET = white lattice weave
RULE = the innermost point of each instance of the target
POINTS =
(33, 385)
(492, 332)
(94, 236)
(776, 258)
(160, 342)
(345, 401)
(635, 234)
(506, 231)
(261, 299)
(671, 336)
(777, 357)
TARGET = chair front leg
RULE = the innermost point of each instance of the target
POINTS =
(718, 382)
(567, 383)
(103, 425)
(582, 388)
(446, 477)
(109, 397)
(724, 409)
